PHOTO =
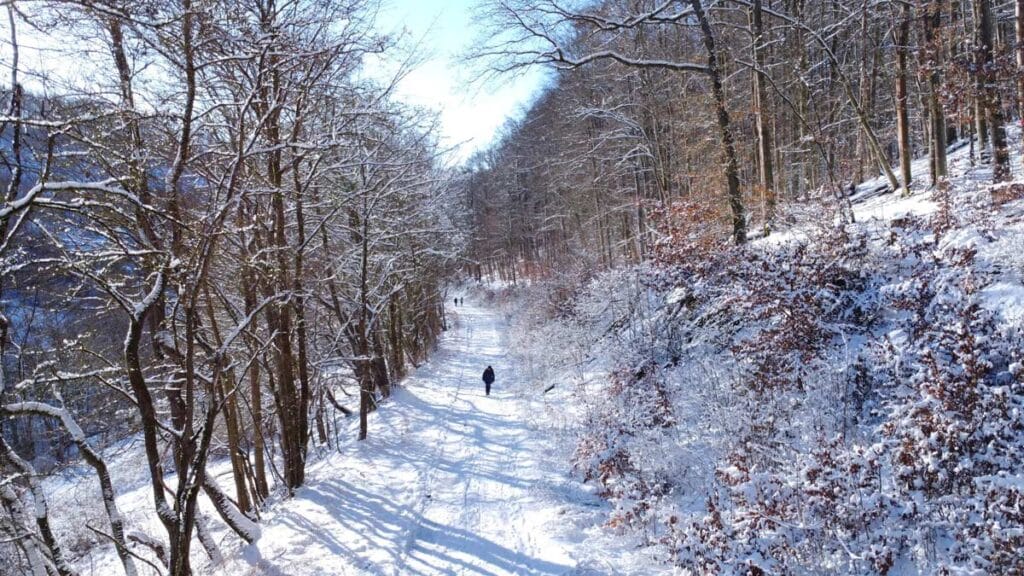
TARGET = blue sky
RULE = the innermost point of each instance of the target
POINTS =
(470, 112)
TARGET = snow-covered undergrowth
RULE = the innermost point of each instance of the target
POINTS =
(78, 516)
(830, 400)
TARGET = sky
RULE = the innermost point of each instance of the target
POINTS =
(471, 112)
(439, 31)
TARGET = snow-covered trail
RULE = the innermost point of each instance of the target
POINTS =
(449, 482)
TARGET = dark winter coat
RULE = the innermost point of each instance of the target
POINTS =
(489, 375)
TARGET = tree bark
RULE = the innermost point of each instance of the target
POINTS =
(248, 289)
(396, 337)
(902, 116)
(993, 103)
(305, 385)
(1019, 23)
(42, 509)
(279, 317)
(93, 459)
(936, 115)
(733, 192)
(39, 564)
(764, 131)
(227, 395)
(362, 348)
(980, 105)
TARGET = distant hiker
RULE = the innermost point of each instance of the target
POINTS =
(488, 380)
(462, 301)
(456, 301)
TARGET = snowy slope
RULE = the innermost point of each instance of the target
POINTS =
(452, 482)
(449, 482)
(808, 358)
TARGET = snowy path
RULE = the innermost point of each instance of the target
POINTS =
(449, 482)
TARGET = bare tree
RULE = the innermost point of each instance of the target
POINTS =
(194, 210)
(547, 33)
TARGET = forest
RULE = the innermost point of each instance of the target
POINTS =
(745, 107)
(202, 243)
(751, 274)
(778, 246)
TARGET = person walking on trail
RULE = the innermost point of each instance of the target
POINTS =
(488, 380)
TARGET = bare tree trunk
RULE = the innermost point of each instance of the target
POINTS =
(42, 509)
(733, 193)
(248, 286)
(207, 541)
(93, 459)
(168, 516)
(381, 376)
(867, 52)
(305, 386)
(993, 102)
(286, 394)
(804, 173)
(229, 398)
(395, 338)
(980, 105)
(1019, 18)
(227, 394)
(243, 526)
(362, 348)
(764, 130)
(38, 562)
(323, 435)
(936, 115)
(902, 116)
(365, 377)
(279, 318)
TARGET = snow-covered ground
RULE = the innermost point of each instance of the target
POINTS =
(450, 481)
(453, 482)
(708, 346)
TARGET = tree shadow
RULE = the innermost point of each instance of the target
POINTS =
(411, 541)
